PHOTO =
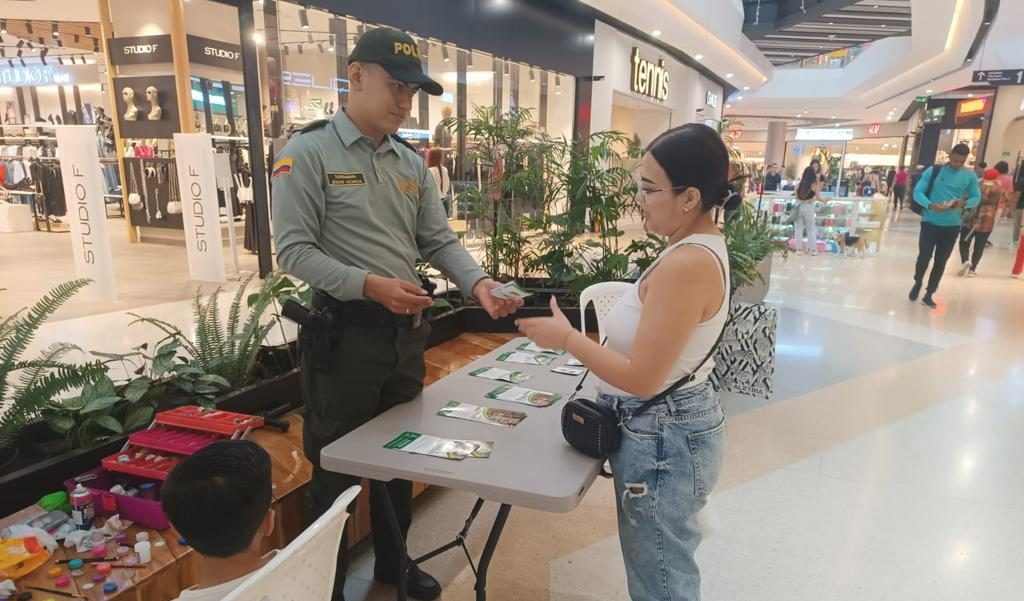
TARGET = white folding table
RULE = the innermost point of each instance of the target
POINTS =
(531, 465)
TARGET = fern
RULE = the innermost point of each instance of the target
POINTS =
(226, 349)
(41, 379)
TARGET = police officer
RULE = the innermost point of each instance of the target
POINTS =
(354, 207)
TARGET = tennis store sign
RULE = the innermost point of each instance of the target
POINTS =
(647, 78)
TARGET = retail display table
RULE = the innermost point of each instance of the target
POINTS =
(531, 465)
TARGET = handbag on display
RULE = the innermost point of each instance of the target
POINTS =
(596, 430)
(173, 196)
(134, 198)
(745, 361)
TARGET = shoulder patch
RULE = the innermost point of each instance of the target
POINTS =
(283, 166)
(314, 125)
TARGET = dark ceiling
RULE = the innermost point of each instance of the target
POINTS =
(791, 30)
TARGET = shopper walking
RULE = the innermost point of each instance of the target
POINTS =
(353, 209)
(807, 193)
(659, 332)
(978, 223)
(899, 188)
(441, 178)
(942, 192)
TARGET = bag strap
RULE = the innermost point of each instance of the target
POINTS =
(693, 374)
(931, 183)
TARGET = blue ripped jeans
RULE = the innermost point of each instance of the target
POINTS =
(666, 466)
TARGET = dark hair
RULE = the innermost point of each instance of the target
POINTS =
(961, 150)
(694, 156)
(808, 179)
(1002, 167)
(218, 496)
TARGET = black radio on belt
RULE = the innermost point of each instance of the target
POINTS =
(319, 326)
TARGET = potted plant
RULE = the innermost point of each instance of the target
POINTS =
(748, 237)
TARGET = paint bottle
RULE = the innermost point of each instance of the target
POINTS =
(144, 552)
(82, 508)
(147, 490)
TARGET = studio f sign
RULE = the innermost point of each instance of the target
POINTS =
(195, 190)
(648, 78)
(82, 215)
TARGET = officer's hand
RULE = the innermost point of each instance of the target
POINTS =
(495, 307)
(398, 296)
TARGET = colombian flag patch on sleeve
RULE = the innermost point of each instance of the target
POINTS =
(283, 166)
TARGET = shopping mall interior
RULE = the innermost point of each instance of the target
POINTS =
(151, 170)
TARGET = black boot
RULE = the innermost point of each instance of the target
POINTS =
(928, 301)
(421, 585)
(915, 292)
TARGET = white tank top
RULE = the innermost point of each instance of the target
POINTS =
(622, 321)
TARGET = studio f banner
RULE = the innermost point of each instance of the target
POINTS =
(87, 213)
(200, 211)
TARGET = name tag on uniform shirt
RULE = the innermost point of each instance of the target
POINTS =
(409, 186)
(345, 179)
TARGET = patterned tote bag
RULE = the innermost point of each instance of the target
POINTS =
(745, 361)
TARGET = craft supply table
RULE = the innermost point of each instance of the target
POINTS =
(531, 465)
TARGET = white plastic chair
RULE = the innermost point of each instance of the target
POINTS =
(304, 570)
(604, 296)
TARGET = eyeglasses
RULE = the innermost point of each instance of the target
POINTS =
(643, 193)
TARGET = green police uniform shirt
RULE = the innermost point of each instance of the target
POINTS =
(344, 208)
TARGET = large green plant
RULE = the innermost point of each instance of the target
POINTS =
(588, 188)
(508, 147)
(42, 379)
(228, 349)
(749, 240)
(107, 407)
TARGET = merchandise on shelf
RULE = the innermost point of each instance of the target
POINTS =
(856, 216)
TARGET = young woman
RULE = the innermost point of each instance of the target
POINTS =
(660, 331)
(977, 225)
(441, 178)
(807, 194)
(899, 188)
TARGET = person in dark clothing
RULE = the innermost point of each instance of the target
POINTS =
(773, 179)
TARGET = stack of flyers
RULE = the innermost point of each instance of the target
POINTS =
(574, 362)
(501, 375)
(516, 394)
(569, 371)
(510, 291)
(526, 358)
(486, 415)
(422, 444)
(530, 347)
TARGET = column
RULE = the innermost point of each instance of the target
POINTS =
(775, 145)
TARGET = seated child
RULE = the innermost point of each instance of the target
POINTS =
(218, 499)
(847, 243)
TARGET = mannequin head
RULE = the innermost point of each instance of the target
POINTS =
(128, 94)
(152, 95)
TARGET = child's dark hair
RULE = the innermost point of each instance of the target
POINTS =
(217, 497)
(694, 156)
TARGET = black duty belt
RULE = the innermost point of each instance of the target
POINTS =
(366, 314)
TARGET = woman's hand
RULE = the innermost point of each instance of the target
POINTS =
(547, 332)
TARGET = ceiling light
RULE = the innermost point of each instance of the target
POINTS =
(469, 61)
(558, 82)
(330, 44)
(698, 57)
(55, 29)
(656, 33)
(533, 76)
(320, 47)
(970, 95)
(303, 18)
(444, 53)
(831, 22)
(833, 116)
(28, 26)
(88, 31)
(987, 23)
(728, 106)
(257, 38)
(309, 38)
(284, 50)
(300, 47)
(23, 62)
(746, 88)
(60, 60)
(929, 91)
(60, 43)
(883, 25)
(3, 26)
(738, 98)
(729, 76)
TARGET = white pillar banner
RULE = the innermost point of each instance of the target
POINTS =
(87, 214)
(200, 211)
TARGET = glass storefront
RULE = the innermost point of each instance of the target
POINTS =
(315, 62)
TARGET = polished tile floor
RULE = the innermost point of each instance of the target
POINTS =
(885, 466)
